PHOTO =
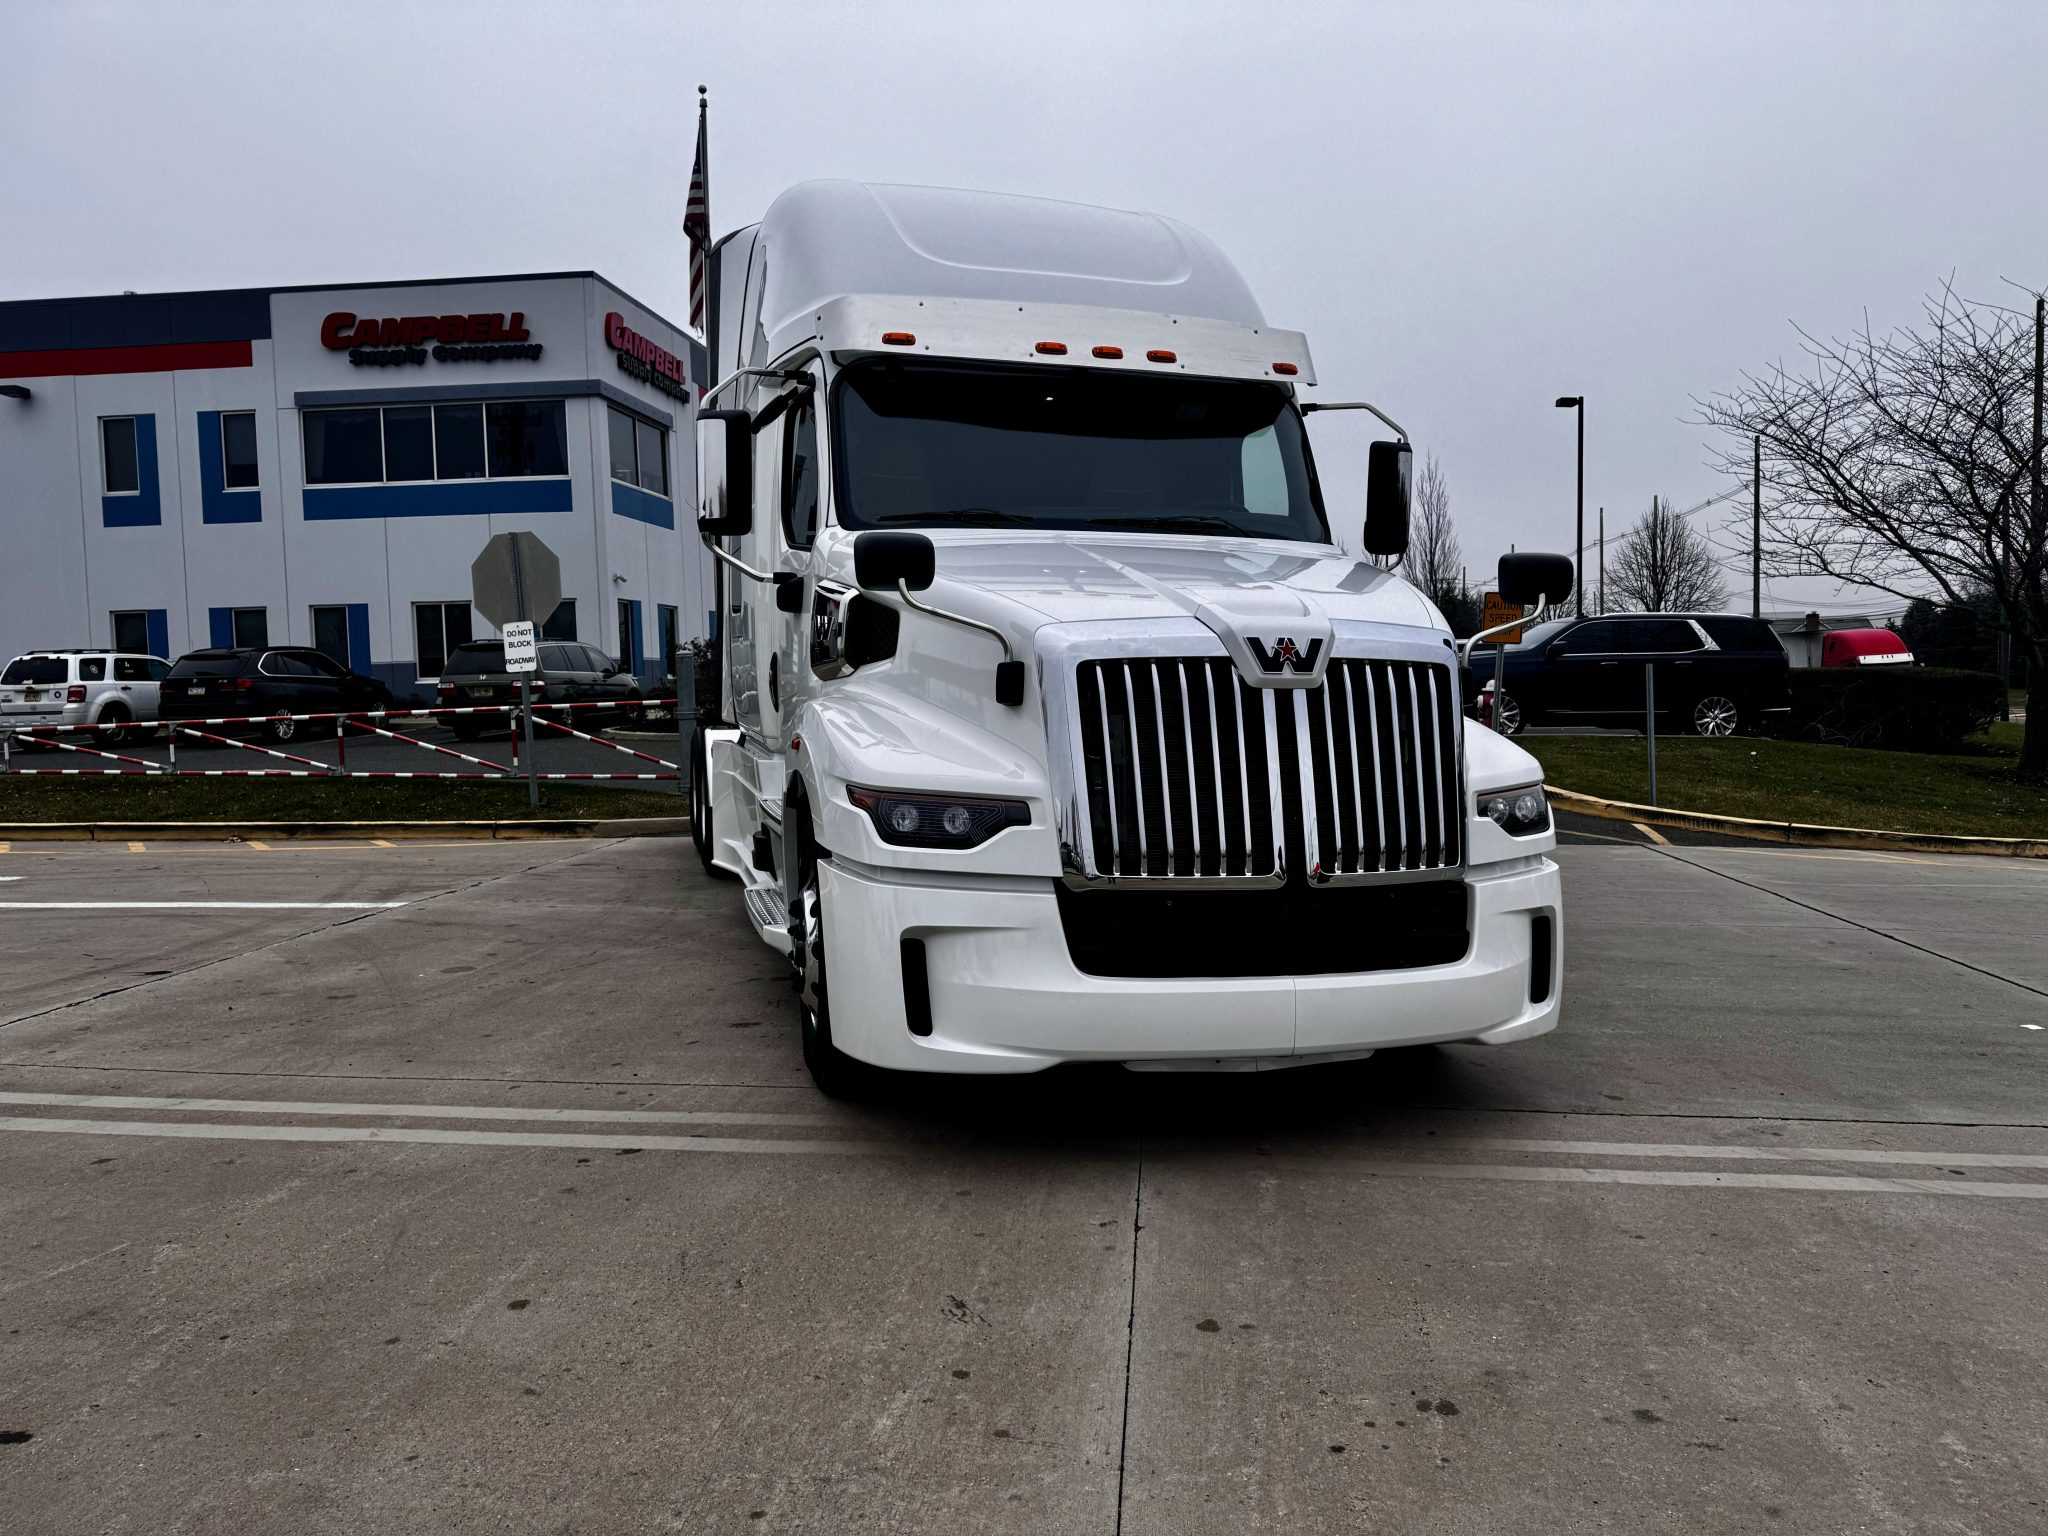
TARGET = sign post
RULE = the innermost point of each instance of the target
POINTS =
(1494, 610)
(516, 584)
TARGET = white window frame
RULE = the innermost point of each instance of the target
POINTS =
(224, 415)
(441, 605)
(136, 489)
(667, 475)
(114, 617)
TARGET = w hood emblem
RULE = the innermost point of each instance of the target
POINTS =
(1284, 655)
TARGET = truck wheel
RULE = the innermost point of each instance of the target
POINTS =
(700, 805)
(837, 1075)
(1715, 714)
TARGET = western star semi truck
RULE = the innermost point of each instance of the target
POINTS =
(1056, 724)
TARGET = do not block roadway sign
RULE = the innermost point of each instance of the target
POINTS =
(522, 654)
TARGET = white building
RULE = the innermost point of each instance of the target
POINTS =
(319, 466)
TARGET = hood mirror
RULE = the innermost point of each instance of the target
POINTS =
(882, 561)
(1386, 500)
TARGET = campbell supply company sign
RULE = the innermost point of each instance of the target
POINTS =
(645, 360)
(402, 340)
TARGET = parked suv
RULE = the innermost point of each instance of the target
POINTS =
(1715, 672)
(570, 673)
(111, 690)
(267, 680)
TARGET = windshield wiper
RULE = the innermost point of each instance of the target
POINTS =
(969, 517)
(1178, 522)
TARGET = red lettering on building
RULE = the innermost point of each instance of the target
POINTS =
(342, 331)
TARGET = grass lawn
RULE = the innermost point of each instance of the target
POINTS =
(272, 800)
(1972, 794)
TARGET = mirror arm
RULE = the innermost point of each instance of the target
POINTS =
(1356, 405)
(738, 564)
(953, 618)
(1466, 655)
(746, 373)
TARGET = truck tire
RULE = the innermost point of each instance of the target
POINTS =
(836, 1074)
(700, 805)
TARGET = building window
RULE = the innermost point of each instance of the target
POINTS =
(343, 447)
(639, 452)
(251, 627)
(437, 628)
(626, 636)
(561, 624)
(330, 631)
(131, 631)
(528, 438)
(238, 450)
(665, 624)
(505, 440)
(120, 465)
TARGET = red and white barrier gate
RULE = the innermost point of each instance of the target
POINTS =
(310, 767)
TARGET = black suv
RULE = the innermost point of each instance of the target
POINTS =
(1715, 672)
(570, 673)
(267, 680)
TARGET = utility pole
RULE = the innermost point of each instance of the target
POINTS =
(2034, 498)
(1756, 527)
(1578, 403)
(1603, 559)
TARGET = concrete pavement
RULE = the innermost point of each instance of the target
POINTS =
(509, 1208)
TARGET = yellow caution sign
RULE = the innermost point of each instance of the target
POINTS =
(1495, 611)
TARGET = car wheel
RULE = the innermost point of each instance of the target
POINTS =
(1715, 714)
(112, 726)
(836, 1074)
(700, 805)
(1507, 716)
(282, 729)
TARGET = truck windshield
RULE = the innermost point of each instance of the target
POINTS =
(977, 446)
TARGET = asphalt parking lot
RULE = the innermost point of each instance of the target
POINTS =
(479, 1188)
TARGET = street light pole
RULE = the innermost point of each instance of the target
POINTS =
(1756, 527)
(1578, 403)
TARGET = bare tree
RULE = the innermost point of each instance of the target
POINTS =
(1909, 459)
(1663, 565)
(1435, 559)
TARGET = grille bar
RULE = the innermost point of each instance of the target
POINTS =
(1182, 768)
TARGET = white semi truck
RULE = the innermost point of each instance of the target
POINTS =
(1055, 723)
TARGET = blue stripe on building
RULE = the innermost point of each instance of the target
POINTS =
(158, 623)
(642, 506)
(218, 504)
(220, 625)
(145, 507)
(446, 498)
(359, 639)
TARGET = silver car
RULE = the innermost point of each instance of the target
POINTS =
(113, 691)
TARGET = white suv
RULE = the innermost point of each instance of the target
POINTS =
(111, 690)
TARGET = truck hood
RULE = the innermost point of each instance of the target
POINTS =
(1248, 592)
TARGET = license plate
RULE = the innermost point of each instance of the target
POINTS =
(479, 693)
(196, 689)
(31, 696)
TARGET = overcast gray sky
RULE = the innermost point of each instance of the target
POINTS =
(1470, 209)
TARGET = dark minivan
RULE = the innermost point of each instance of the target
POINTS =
(570, 673)
(1715, 672)
(274, 680)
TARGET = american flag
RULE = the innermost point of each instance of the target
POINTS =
(697, 223)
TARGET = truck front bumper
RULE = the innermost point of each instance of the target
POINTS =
(1002, 994)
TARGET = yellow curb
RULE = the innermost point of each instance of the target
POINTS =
(1799, 834)
(288, 831)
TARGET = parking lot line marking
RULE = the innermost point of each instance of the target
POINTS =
(411, 1135)
(1691, 1179)
(1651, 833)
(1742, 1154)
(259, 847)
(137, 848)
(419, 1111)
(203, 906)
(382, 842)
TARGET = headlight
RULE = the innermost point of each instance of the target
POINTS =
(1519, 812)
(937, 821)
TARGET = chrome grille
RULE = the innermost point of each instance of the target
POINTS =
(1189, 773)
